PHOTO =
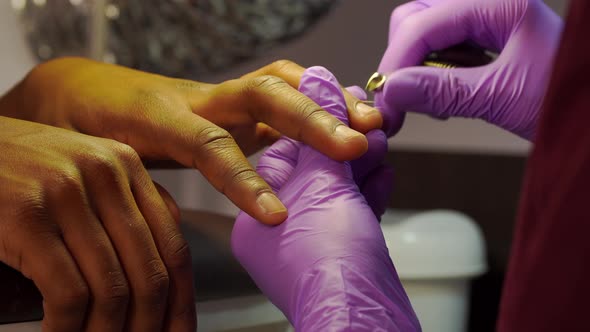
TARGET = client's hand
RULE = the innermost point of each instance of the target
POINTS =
(209, 127)
(327, 266)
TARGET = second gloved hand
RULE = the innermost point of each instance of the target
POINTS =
(508, 92)
(327, 266)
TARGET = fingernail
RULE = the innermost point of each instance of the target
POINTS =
(270, 204)
(345, 133)
(366, 110)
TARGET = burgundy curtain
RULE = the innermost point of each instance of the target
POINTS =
(548, 282)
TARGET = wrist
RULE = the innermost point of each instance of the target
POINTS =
(14, 105)
(42, 94)
(363, 292)
(28, 100)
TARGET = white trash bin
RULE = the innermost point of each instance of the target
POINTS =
(436, 255)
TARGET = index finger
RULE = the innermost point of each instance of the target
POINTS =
(173, 250)
(362, 118)
(273, 101)
(197, 143)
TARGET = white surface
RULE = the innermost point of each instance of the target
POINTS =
(436, 254)
(441, 305)
(243, 312)
(435, 244)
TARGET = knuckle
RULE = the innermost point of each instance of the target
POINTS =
(66, 182)
(101, 163)
(187, 84)
(400, 13)
(265, 84)
(186, 313)
(115, 291)
(176, 253)
(31, 203)
(214, 150)
(396, 15)
(32, 213)
(126, 153)
(312, 114)
(214, 138)
(282, 65)
(243, 175)
(411, 24)
(238, 175)
(155, 96)
(155, 288)
(72, 297)
(406, 25)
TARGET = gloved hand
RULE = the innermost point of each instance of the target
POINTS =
(508, 92)
(372, 176)
(327, 266)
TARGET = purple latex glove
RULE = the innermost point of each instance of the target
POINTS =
(327, 266)
(372, 176)
(508, 92)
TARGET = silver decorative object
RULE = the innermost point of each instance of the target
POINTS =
(181, 38)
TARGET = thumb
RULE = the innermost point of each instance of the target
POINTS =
(357, 92)
(438, 92)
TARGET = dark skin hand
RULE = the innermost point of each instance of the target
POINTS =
(209, 127)
(79, 214)
(81, 218)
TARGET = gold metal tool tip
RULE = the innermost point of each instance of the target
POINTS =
(438, 64)
(375, 82)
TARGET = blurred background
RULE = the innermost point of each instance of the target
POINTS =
(459, 164)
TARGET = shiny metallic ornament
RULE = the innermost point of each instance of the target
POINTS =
(376, 82)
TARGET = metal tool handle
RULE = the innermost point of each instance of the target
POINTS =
(462, 55)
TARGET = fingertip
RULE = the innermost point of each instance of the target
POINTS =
(343, 143)
(393, 117)
(406, 90)
(377, 137)
(275, 219)
(364, 118)
(406, 87)
(402, 12)
(271, 211)
(356, 92)
(350, 144)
